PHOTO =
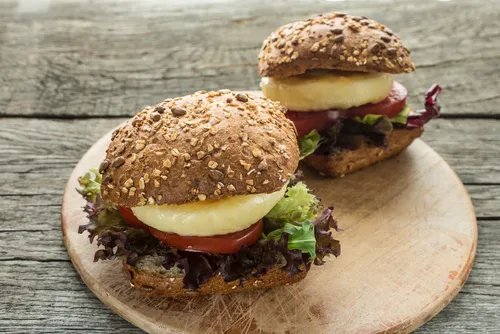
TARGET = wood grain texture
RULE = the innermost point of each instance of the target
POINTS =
(376, 285)
(69, 58)
(43, 154)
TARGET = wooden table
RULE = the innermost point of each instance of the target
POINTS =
(72, 69)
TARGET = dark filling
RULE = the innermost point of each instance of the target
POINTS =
(117, 238)
(350, 133)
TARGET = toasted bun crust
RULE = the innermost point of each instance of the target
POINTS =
(200, 147)
(333, 41)
(150, 283)
(351, 161)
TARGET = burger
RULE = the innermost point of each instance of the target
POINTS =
(199, 194)
(334, 74)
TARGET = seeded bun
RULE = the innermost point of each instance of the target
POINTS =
(200, 147)
(150, 278)
(334, 41)
(368, 154)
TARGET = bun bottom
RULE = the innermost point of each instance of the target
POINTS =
(367, 155)
(153, 284)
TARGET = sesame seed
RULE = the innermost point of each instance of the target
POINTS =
(230, 172)
(256, 153)
(140, 144)
(245, 165)
(167, 163)
(265, 182)
(262, 165)
(175, 152)
(129, 183)
(202, 197)
(133, 157)
(142, 185)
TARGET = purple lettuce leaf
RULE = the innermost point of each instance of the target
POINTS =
(431, 111)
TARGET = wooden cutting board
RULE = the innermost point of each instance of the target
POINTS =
(408, 243)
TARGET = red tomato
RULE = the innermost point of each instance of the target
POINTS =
(129, 216)
(390, 106)
(223, 244)
(305, 122)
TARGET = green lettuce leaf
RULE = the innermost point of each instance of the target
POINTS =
(90, 185)
(309, 143)
(292, 215)
(296, 206)
(372, 119)
(302, 238)
(402, 117)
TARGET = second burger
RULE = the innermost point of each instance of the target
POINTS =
(334, 74)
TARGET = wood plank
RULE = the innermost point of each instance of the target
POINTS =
(38, 155)
(87, 65)
(51, 298)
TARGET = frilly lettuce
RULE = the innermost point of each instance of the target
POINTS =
(297, 215)
(296, 233)
(309, 143)
(297, 205)
(90, 185)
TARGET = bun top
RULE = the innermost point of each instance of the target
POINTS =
(334, 41)
(200, 147)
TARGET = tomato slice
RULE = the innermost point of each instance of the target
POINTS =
(305, 122)
(129, 216)
(390, 106)
(224, 244)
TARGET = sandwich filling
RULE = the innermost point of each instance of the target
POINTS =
(292, 231)
(335, 111)
(215, 217)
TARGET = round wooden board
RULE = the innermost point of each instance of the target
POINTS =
(408, 243)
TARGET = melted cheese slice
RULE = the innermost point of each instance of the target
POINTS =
(322, 90)
(227, 215)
